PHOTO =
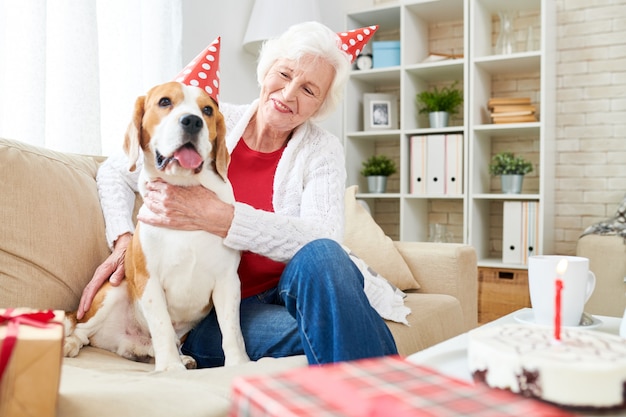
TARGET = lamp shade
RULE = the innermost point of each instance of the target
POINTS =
(270, 18)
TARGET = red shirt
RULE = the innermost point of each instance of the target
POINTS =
(251, 174)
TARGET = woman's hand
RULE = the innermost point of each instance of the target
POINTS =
(165, 205)
(112, 269)
(185, 208)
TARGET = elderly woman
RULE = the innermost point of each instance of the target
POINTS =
(301, 293)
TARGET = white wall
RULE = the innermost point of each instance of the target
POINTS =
(204, 20)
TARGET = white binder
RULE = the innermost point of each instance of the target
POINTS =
(454, 164)
(530, 241)
(417, 182)
(512, 232)
(520, 231)
(435, 164)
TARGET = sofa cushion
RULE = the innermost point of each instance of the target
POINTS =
(100, 383)
(368, 241)
(61, 204)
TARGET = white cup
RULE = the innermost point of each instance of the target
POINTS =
(578, 285)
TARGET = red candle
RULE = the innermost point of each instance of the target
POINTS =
(560, 271)
(557, 306)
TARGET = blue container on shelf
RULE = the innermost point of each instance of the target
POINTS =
(386, 53)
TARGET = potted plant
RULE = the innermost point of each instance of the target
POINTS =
(511, 170)
(440, 103)
(376, 169)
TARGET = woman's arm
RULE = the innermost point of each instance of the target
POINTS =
(112, 269)
(116, 188)
(308, 200)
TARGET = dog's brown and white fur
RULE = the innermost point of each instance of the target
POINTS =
(173, 277)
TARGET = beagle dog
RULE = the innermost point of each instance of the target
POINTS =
(173, 277)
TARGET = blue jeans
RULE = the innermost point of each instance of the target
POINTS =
(318, 309)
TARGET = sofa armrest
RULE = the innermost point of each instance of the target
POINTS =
(607, 260)
(445, 268)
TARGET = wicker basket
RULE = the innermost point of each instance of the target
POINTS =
(500, 292)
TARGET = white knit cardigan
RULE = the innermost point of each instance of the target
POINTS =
(308, 200)
(308, 196)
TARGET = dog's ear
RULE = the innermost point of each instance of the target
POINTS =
(221, 157)
(132, 139)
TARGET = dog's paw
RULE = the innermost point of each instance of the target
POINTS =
(236, 359)
(71, 347)
(171, 366)
(189, 362)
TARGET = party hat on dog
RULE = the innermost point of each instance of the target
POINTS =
(203, 70)
(353, 41)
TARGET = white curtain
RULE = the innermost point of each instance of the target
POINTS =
(70, 70)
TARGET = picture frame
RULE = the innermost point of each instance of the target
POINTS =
(380, 111)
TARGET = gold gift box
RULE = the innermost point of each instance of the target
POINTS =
(29, 385)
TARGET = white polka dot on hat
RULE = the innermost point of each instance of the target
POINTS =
(353, 41)
(203, 70)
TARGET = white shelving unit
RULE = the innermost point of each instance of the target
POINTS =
(412, 24)
(467, 27)
(528, 71)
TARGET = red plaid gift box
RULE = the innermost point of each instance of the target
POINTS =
(31, 351)
(380, 387)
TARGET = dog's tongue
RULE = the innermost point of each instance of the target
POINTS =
(188, 158)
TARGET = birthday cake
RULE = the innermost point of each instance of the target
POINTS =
(584, 369)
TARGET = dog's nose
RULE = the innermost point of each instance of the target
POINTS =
(191, 123)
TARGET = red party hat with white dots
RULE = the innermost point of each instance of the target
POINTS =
(353, 41)
(203, 70)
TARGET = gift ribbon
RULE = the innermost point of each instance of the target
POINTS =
(41, 319)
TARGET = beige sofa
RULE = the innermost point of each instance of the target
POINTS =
(52, 239)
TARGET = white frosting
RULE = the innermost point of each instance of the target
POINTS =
(585, 368)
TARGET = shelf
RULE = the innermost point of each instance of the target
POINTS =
(430, 131)
(520, 62)
(381, 77)
(508, 129)
(497, 263)
(495, 6)
(468, 28)
(450, 69)
(378, 195)
(387, 17)
(375, 135)
(494, 196)
(437, 11)
(433, 197)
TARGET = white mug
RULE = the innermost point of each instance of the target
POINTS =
(578, 285)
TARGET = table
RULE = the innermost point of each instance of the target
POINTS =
(450, 356)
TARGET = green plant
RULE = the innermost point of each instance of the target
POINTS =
(446, 99)
(506, 163)
(378, 165)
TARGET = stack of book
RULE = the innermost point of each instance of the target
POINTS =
(511, 110)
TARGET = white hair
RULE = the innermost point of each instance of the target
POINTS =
(309, 38)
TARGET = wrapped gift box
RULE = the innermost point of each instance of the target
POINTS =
(31, 351)
(380, 387)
